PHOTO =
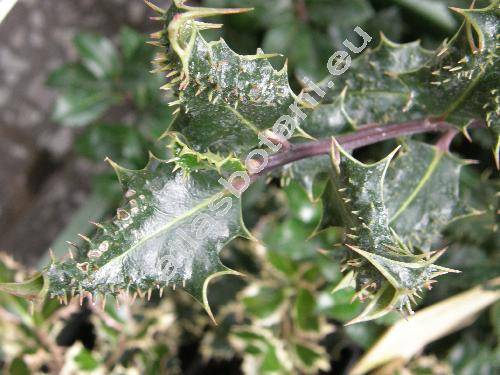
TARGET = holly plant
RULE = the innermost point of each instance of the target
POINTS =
(352, 235)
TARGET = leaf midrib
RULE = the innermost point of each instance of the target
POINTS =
(428, 173)
(243, 119)
(166, 227)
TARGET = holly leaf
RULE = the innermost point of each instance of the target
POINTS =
(305, 311)
(383, 266)
(98, 55)
(225, 100)
(264, 302)
(404, 82)
(169, 233)
(370, 91)
(421, 192)
(467, 69)
(79, 108)
(261, 350)
(434, 12)
(310, 358)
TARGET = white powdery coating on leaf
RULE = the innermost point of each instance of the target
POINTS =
(175, 240)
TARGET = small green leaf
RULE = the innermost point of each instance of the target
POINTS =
(339, 305)
(305, 311)
(263, 301)
(261, 350)
(301, 208)
(19, 367)
(282, 263)
(79, 108)
(116, 141)
(131, 42)
(340, 13)
(296, 41)
(308, 173)
(98, 55)
(72, 76)
(85, 361)
(311, 358)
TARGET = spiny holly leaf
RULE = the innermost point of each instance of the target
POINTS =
(458, 82)
(461, 84)
(421, 192)
(369, 91)
(170, 233)
(225, 100)
(380, 261)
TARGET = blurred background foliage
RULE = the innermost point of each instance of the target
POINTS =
(282, 317)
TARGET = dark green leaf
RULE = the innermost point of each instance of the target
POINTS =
(311, 358)
(305, 311)
(434, 12)
(370, 91)
(467, 69)
(123, 144)
(131, 43)
(380, 260)
(421, 191)
(225, 99)
(79, 108)
(98, 55)
(339, 305)
(72, 76)
(169, 233)
(262, 302)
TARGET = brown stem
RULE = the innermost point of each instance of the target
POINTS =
(444, 142)
(364, 136)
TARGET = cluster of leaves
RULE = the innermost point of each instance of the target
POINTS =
(72, 339)
(335, 222)
(307, 31)
(110, 94)
(281, 318)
